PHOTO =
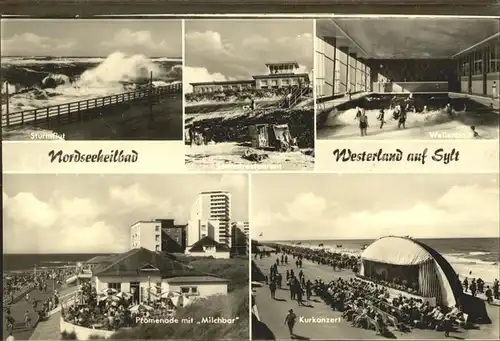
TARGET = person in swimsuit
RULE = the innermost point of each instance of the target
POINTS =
(402, 119)
(380, 117)
(475, 134)
(363, 124)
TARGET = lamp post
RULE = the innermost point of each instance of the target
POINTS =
(149, 289)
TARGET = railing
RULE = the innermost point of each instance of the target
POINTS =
(290, 101)
(79, 108)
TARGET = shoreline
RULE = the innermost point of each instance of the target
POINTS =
(490, 272)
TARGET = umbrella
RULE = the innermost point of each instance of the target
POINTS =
(139, 307)
(109, 291)
(108, 298)
(170, 294)
(123, 295)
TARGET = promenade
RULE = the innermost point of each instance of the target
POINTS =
(272, 312)
(18, 310)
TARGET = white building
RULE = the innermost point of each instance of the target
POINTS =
(147, 275)
(208, 208)
(146, 234)
(208, 247)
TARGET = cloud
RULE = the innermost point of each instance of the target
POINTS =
(242, 57)
(463, 211)
(126, 39)
(199, 74)
(132, 196)
(81, 225)
(21, 44)
(234, 181)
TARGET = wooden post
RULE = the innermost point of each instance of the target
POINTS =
(7, 103)
(35, 118)
(58, 114)
(80, 116)
(48, 117)
(151, 118)
(22, 118)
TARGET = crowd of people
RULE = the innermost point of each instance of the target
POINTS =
(367, 305)
(477, 286)
(112, 310)
(364, 304)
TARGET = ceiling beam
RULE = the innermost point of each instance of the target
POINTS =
(344, 33)
(471, 48)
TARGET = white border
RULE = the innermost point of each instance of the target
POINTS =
(183, 56)
(250, 306)
(266, 16)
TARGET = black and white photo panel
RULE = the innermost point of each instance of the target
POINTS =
(413, 78)
(248, 88)
(384, 256)
(91, 79)
(94, 257)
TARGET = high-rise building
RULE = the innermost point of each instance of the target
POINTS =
(210, 214)
(240, 231)
(146, 234)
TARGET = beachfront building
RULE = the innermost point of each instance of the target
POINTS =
(279, 75)
(147, 275)
(240, 231)
(210, 216)
(208, 247)
(411, 264)
(158, 235)
(454, 55)
(207, 87)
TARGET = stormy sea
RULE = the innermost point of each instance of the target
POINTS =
(38, 82)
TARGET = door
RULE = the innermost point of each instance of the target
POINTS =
(134, 290)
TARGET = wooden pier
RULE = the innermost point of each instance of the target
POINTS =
(82, 110)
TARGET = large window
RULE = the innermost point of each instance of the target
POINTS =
(477, 63)
(494, 57)
(192, 291)
(116, 286)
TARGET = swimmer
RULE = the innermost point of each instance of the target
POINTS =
(449, 109)
(474, 132)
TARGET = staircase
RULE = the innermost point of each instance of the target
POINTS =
(290, 102)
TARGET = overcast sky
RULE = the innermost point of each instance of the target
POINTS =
(91, 38)
(329, 206)
(93, 213)
(237, 49)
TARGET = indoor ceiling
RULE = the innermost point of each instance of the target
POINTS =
(407, 38)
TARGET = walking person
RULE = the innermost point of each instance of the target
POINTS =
(10, 337)
(489, 295)
(272, 288)
(290, 322)
(27, 320)
(494, 92)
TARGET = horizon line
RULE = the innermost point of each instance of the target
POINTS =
(324, 239)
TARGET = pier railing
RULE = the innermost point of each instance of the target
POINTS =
(80, 108)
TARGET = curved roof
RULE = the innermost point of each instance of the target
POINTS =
(397, 251)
